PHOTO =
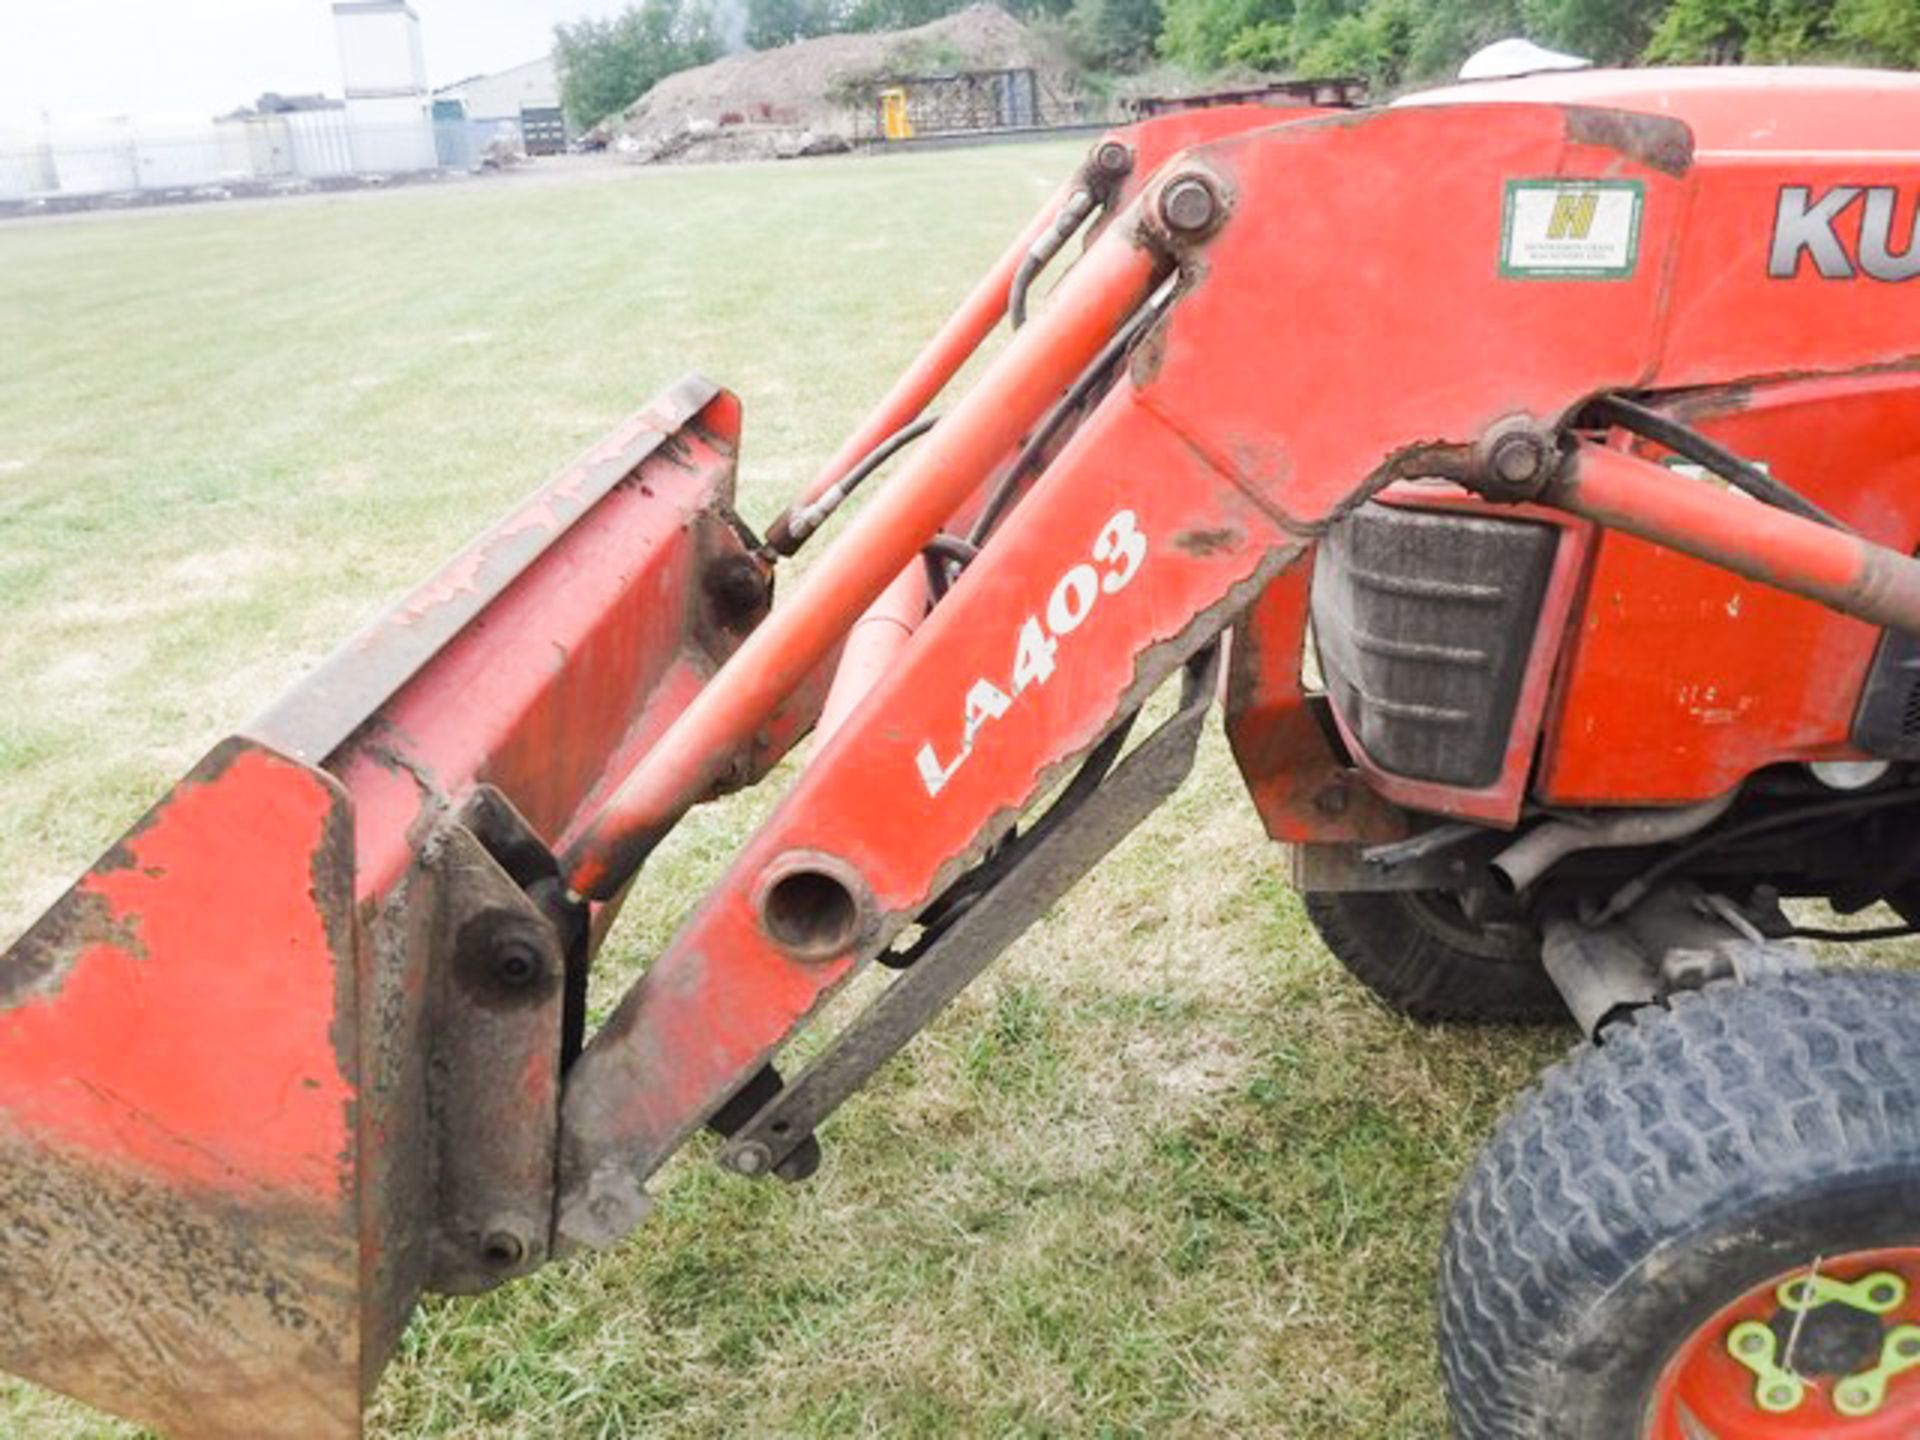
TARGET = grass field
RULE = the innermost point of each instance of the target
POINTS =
(1163, 1172)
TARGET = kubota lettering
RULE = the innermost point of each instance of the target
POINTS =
(1805, 226)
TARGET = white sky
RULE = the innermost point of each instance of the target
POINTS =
(198, 58)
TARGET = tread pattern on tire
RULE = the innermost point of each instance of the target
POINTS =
(1420, 975)
(1733, 1093)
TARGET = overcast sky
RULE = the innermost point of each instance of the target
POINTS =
(198, 58)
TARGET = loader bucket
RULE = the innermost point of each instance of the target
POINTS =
(289, 1054)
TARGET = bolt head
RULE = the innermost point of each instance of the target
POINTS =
(1518, 459)
(1333, 800)
(752, 1158)
(1189, 204)
(1752, 1343)
(1112, 157)
(517, 963)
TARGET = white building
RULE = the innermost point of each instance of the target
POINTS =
(384, 68)
(526, 98)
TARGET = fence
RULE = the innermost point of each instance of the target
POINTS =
(120, 156)
(967, 100)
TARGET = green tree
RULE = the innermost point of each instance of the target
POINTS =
(780, 22)
(1375, 43)
(605, 65)
(1758, 32)
(1611, 32)
(1201, 33)
(1884, 30)
(1114, 34)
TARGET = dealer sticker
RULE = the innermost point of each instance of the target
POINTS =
(1571, 229)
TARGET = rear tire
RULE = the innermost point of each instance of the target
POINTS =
(1650, 1187)
(1419, 952)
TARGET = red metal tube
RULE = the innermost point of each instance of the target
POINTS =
(1804, 557)
(1110, 282)
(872, 646)
(936, 364)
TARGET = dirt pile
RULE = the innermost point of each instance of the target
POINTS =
(816, 95)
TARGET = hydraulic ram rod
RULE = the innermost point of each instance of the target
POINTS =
(1111, 281)
(1804, 557)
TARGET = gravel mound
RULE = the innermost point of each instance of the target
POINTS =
(811, 96)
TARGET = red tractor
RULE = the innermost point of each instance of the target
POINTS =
(1529, 472)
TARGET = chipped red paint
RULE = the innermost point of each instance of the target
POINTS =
(97, 1064)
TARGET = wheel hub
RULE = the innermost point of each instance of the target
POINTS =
(1832, 1340)
(1832, 1349)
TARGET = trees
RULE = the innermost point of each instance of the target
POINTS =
(781, 22)
(605, 65)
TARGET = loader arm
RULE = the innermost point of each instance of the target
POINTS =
(1349, 314)
(436, 830)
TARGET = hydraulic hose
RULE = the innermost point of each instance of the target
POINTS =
(1690, 444)
(1008, 488)
(803, 520)
(1045, 246)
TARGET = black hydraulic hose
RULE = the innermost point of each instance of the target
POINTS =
(791, 530)
(1690, 444)
(1090, 379)
(938, 552)
(1023, 277)
(1046, 245)
(1635, 890)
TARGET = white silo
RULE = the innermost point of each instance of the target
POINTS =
(384, 71)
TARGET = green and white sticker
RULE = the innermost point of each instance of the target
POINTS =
(1571, 229)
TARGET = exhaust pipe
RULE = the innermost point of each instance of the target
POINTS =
(1521, 864)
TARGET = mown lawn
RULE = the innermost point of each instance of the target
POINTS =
(1163, 1172)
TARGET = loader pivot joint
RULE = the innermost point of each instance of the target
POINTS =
(1191, 205)
(1516, 460)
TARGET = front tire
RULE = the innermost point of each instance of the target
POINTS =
(1657, 1193)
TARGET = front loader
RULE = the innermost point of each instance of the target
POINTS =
(1529, 473)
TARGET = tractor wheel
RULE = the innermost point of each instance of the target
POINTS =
(1420, 953)
(1709, 1226)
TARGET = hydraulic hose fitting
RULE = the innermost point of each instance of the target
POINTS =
(1046, 245)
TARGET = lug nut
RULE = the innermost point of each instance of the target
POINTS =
(1189, 204)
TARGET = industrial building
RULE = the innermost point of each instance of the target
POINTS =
(523, 101)
(385, 126)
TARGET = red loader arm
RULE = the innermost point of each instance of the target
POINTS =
(404, 867)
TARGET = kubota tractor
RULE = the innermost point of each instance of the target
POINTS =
(1576, 419)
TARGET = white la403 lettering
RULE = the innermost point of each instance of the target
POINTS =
(1118, 550)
